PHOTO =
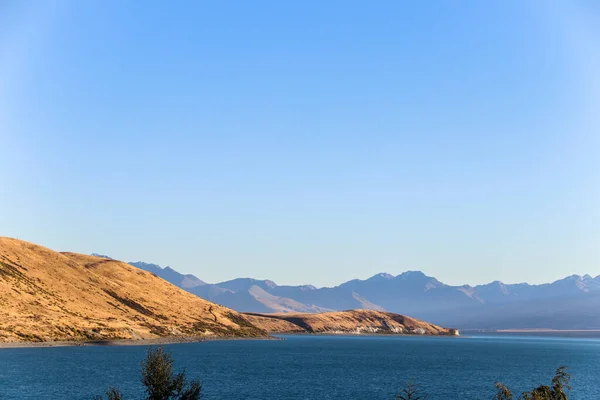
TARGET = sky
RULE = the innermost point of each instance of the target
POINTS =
(306, 142)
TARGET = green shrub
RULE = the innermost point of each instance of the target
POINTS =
(160, 382)
(560, 383)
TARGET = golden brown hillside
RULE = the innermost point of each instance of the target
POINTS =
(353, 322)
(48, 296)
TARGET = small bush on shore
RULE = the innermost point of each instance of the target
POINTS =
(160, 382)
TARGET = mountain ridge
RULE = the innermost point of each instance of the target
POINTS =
(417, 294)
(385, 275)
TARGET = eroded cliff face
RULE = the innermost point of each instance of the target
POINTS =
(347, 322)
(50, 296)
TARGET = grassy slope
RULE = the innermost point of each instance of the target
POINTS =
(46, 295)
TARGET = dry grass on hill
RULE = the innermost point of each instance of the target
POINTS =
(49, 296)
(353, 321)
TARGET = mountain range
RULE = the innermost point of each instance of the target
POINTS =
(569, 303)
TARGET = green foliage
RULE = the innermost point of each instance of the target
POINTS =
(160, 381)
(560, 383)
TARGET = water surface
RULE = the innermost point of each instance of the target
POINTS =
(314, 367)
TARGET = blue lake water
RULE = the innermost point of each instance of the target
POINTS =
(314, 367)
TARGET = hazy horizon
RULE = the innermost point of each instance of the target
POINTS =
(306, 143)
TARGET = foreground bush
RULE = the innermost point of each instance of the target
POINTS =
(160, 382)
(556, 391)
(560, 383)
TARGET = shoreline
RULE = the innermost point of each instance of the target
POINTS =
(360, 334)
(183, 340)
(272, 336)
(124, 342)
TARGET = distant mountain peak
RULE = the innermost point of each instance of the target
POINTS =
(169, 274)
(102, 256)
(419, 276)
(572, 278)
(412, 274)
(144, 265)
(382, 275)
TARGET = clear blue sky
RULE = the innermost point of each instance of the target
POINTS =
(307, 141)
